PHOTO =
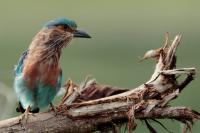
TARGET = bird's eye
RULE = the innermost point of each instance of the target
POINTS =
(65, 27)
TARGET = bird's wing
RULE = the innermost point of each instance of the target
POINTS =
(19, 66)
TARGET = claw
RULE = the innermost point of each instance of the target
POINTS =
(53, 108)
(25, 115)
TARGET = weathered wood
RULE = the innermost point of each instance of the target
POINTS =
(47, 122)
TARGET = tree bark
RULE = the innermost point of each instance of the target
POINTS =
(92, 107)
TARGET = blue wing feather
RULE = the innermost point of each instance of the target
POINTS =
(19, 67)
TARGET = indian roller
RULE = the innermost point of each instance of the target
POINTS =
(38, 75)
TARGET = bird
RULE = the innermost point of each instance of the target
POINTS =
(38, 74)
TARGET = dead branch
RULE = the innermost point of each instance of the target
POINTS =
(92, 107)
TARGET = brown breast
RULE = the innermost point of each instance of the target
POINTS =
(46, 72)
(41, 63)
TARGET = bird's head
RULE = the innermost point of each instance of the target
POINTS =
(53, 37)
(68, 26)
(61, 31)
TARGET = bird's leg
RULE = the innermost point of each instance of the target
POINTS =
(24, 116)
(27, 112)
(52, 108)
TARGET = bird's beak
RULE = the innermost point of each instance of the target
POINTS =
(81, 34)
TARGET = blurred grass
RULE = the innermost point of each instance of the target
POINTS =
(121, 30)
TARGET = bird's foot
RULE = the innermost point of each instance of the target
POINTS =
(36, 110)
(53, 108)
(20, 108)
(25, 115)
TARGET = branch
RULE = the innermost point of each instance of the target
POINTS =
(92, 107)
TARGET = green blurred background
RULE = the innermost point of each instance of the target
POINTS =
(122, 31)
